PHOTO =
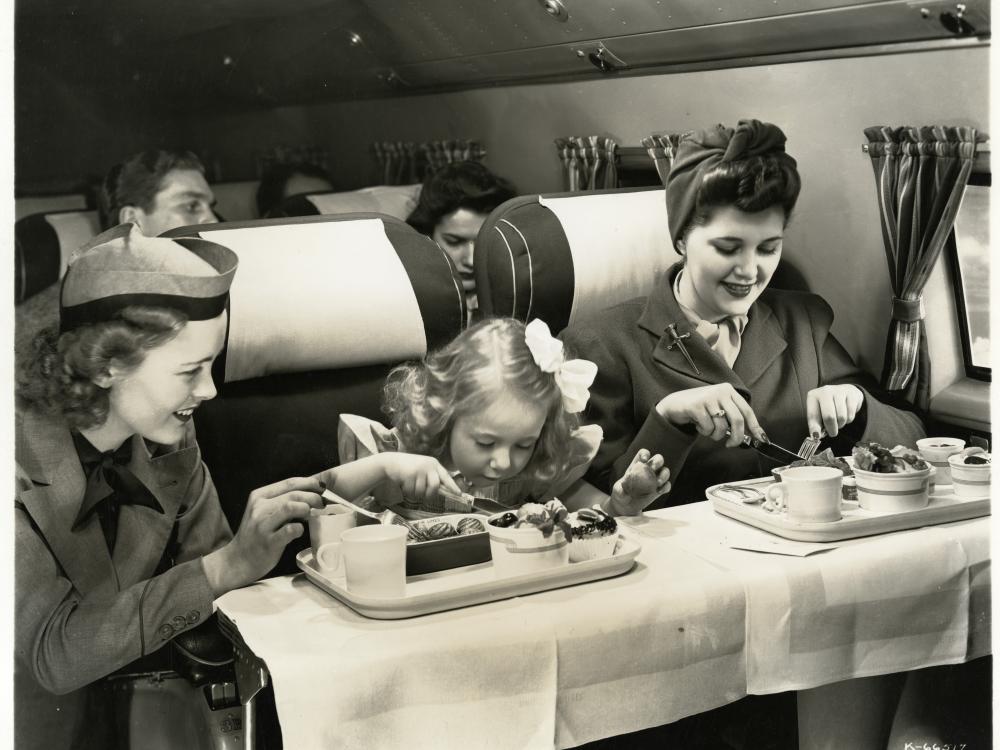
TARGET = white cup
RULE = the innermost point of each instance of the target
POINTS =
(325, 527)
(375, 560)
(811, 493)
(936, 451)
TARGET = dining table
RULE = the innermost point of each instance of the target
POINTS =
(712, 610)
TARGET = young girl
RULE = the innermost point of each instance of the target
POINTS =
(498, 407)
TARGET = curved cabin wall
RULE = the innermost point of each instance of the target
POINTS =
(823, 106)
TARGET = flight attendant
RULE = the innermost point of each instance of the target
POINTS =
(713, 354)
(120, 541)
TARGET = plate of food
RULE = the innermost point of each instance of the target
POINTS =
(603, 552)
(884, 489)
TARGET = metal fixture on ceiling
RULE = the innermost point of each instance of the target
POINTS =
(556, 9)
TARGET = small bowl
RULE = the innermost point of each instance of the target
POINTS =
(970, 480)
(893, 493)
(525, 550)
(937, 451)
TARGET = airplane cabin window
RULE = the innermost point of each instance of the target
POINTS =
(970, 256)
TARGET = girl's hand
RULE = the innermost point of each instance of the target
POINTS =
(419, 477)
(830, 407)
(713, 410)
(645, 480)
(273, 517)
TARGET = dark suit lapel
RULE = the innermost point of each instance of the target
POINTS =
(763, 342)
(45, 451)
(142, 532)
(664, 319)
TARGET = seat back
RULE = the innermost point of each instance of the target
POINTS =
(43, 245)
(392, 200)
(566, 256)
(236, 201)
(320, 309)
(40, 204)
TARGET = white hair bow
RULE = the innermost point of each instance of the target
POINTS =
(574, 377)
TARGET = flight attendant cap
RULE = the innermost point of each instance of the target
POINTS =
(122, 267)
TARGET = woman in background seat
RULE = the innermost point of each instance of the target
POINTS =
(713, 354)
(454, 202)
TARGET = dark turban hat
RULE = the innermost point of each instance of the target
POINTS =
(122, 267)
(701, 151)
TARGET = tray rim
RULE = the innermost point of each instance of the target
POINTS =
(570, 574)
(833, 531)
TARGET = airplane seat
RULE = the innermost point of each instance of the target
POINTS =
(564, 256)
(393, 200)
(26, 205)
(43, 245)
(320, 310)
(235, 201)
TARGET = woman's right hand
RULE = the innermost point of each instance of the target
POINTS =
(717, 411)
(273, 517)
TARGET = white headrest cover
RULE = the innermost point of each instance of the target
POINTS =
(316, 296)
(393, 200)
(620, 245)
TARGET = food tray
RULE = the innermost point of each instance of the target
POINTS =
(472, 584)
(943, 508)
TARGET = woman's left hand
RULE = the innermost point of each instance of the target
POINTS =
(830, 407)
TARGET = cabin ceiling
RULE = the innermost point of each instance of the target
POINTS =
(197, 55)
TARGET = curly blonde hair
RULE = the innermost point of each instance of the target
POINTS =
(58, 375)
(490, 359)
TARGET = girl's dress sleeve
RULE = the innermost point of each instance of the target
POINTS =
(586, 442)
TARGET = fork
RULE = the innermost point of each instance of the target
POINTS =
(809, 447)
(385, 517)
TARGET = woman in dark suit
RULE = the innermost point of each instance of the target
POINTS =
(713, 354)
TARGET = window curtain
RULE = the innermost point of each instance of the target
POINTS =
(588, 162)
(661, 148)
(920, 174)
(409, 162)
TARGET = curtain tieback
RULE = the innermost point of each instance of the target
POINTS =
(908, 310)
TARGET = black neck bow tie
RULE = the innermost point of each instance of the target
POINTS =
(110, 484)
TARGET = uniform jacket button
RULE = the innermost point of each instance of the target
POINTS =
(165, 631)
(193, 616)
(179, 622)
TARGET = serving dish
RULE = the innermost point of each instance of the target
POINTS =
(449, 552)
(472, 584)
(728, 500)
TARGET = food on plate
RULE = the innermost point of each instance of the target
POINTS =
(881, 460)
(432, 529)
(594, 534)
(639, 479)
(470, 526)
(546, 518)
(975, 457)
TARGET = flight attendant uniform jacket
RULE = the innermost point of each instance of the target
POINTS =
(81, 614)
(787, 350)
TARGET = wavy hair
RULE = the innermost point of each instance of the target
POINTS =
(137, 180)
(753, 184)
(464, 184)
(482, 363)
(57, 377)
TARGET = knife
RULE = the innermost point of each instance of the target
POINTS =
(770, 450)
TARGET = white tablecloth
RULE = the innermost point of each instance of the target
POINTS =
(693, 626)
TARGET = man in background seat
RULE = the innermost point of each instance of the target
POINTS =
(155, 189)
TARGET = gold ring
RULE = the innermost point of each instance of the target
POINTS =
(719, 413)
